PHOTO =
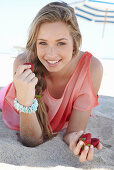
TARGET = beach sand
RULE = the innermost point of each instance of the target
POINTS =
(55, 154)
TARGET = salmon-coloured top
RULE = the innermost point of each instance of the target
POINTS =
(78, 94)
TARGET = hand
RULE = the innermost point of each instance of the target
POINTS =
(24, 82)
(75, 147)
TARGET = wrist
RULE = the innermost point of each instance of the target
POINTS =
(26, 109)
(25, 102)
(68, 137)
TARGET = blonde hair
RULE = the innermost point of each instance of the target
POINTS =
(52, 12)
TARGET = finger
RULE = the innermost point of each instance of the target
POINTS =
(73, 143)
(84, 153)
(90, 153)
(99, 146)
(26, 74)
(34, 80)
(29, 78)
(21, 69)
(77, 149)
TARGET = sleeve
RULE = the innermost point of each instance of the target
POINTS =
(86, 99)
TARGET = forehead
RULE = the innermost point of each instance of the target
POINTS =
(55, 29)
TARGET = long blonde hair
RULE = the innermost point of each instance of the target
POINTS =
(53, 12)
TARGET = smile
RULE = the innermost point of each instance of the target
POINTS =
(53, 62)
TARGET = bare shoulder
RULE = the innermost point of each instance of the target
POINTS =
(96, 65)
(20, 59)
(96, 72)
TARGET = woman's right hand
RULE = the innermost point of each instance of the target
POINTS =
(25, 81)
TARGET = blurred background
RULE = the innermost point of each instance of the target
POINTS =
(15, 19)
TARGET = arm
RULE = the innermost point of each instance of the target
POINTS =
(79, 119)
(30, 130)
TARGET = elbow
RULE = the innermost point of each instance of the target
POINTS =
(31, 142)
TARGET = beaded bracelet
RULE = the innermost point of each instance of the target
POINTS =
(25, 109)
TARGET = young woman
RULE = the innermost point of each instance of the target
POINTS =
(65, 82)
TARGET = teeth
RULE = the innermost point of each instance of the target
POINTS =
(53, 62)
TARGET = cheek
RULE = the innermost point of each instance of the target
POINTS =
(67, 51)
(40, 51)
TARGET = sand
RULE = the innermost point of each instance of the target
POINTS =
(55, 154)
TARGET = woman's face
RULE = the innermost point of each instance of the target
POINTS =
(54, 46)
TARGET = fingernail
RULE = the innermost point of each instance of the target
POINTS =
(81, 131)
(86, 148)
(91, 146)
(81, 143)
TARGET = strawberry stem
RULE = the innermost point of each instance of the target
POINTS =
(88, 144)
(83, 139)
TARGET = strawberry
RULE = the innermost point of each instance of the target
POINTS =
(86, 138)
(32, 66)
(95, 142)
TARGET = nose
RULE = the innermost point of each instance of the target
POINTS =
(51, 53)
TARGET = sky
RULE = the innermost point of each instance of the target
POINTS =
(17, 15)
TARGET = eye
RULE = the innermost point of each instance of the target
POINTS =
(61, 43)
(43, 43)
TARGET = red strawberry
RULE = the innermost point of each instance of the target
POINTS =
(86, 138)
(95, 142)
(30, 64)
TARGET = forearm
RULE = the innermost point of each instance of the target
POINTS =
(30, 130)
(78, 122)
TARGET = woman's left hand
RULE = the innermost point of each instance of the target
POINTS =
(87, 153)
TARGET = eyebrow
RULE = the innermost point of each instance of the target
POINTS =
(56, 40)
